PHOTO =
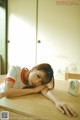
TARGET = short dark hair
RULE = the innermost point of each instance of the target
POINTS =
(45, 67)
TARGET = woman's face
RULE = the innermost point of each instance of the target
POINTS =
(37, 77)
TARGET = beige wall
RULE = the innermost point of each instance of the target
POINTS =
(59, 31)
(67, 30)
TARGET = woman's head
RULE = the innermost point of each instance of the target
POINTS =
(41, 74)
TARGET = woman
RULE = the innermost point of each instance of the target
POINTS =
(39, 79)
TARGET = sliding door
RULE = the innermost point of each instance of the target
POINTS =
(22, 32)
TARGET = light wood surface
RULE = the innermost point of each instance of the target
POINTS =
(14, 115)
(41, 108)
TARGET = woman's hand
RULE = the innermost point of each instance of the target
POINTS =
(38, 88)
(66, 109)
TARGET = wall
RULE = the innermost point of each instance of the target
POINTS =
(59, 31)
(67, 32)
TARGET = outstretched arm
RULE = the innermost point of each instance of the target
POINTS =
(61, 106)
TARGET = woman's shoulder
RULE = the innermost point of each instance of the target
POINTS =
(15, 67)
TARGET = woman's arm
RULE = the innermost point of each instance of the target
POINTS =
(9, 91)
(61, 106)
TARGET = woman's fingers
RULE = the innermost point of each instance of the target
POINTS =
(72, 112)
(60, 109)
(38, 88)
(66, 109)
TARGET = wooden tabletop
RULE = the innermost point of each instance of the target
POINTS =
(37, 107)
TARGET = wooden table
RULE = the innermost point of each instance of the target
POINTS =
(37, 107)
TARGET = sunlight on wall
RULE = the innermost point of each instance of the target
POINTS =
(64, 55)
(59, 32)
(63, 64)
(22, 43)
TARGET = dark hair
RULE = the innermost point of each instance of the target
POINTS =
(45, 67)
(28, 86)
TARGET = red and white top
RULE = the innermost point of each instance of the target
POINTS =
(15, 74)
